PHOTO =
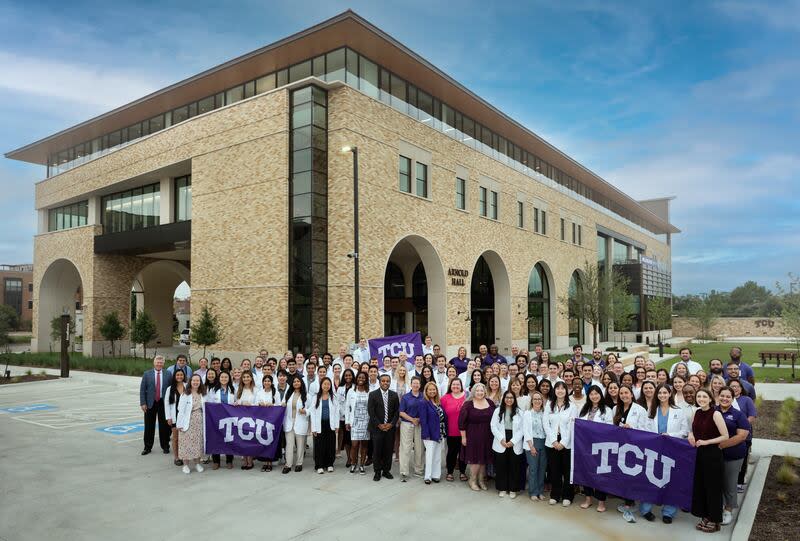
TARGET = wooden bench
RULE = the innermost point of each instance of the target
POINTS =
(778, 356)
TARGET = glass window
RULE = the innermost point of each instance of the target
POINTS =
(535, 219)
(579, 236)
(544, 223)
(12, 294)
(283, 77)
(234, 94)
(183, 198)
(620, 251)
(482, 201)
(538, 309)
(368, 77)
(493, 205)
(563, 229)
(461, 193)
(300, 71)
(180, 114)
(405, 174)
(68, 216)
(318, 67)
(520, 214)
(352, 68)
(574, 233)
(265, 83)
(205, 105)
(398, 93)
(250, 89)
(132, 209)
(335, 67)
(422, 180)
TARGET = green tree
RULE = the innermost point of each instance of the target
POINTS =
(623, 310)
(5, 328)
(111, 329)
(750, 299)
(143, 330)
(9, 315)
(659, 314)
(206, 331)
(790, 311)
(55, 332)
(704, 314)
(593, 299)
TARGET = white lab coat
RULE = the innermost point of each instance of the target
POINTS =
(605, 418)
(677, 424)
(214, 397)
(300, 423)
(637, 417)
(170, 410)
(185, 411)
(350, 407)
(558, 420)
(315, 414)
(499, 431)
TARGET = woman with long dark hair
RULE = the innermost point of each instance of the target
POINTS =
(173, 394)
(546, 388)
(508, 431)
(596, 410)
(629, 414)
(324, 423)
(734, 450)
(346, 385)
(452, 402)
(265, 397)
(295, 425)
(246, 396)
(708, 431)
(356, 422)
(558, 420)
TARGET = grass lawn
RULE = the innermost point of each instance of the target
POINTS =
(703, 353)
(126, 366)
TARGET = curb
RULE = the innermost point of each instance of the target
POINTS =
(749, 507)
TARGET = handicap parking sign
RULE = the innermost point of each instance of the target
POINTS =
(30, 408)
(119, 430)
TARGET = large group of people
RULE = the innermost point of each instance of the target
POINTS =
(491, 418)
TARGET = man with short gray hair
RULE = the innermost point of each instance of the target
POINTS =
(152, 390)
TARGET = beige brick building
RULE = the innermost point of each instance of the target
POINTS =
(470, 227)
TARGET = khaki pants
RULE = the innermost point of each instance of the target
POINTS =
(411, 445)
(295, 443)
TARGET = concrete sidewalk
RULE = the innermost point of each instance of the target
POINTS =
(105, 489)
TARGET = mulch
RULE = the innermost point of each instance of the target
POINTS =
(774, 519)
(765, 423)
(25, 379)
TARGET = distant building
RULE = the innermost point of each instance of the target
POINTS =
(182, 309)
(17, 292)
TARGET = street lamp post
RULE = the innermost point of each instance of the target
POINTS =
(354, 254)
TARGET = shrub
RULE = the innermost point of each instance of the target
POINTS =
(782, 497)
(787, 476)
(759, 401)
(783, 426)
(790, 461)
(789, 405)
(29, 372)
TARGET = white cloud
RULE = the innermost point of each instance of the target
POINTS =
(784, 15)
(96, 86)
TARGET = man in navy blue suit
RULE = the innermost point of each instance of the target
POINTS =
(151, 398)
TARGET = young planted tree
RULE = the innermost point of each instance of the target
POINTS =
(111, 329)
(206, 331)
(659, 314)
(790, 312)
(593, 298)
(705, 313)
(622, 309)
(143, 330)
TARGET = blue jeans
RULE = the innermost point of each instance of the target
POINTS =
(667, 510)
(537, 466)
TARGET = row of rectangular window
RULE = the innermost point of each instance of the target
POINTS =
(420, 177)
(133, 209)
(68, 216)
(354, 69)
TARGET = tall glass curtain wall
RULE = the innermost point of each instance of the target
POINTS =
(377, 82)
(308, 236)
(133, 209)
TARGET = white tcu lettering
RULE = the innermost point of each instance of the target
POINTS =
(396, 348)
(623, 452)
(607, 448)
(227, 424)
(245, 421)
(260, 425)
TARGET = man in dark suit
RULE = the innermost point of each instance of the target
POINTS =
(383, 408)
(151, 398)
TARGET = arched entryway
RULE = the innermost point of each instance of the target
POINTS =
(577, 323)
(490, 303)
(60, 292)
(539, 307)
(153, 290)
(414, 290)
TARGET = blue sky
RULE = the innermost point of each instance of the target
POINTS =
(700, 100)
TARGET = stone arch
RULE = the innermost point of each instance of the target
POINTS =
(497, 316)
(154, 287)
(60, 292)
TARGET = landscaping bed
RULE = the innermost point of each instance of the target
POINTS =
(126, 366)
(25, 378)
(769, 419)
(776, 518)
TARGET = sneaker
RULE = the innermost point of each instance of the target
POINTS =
(502, 493)
(186, 469)
(666, 520)
(622, 509)
(362, 471)
(512, 495)
(353, 468)
(403, 478)
(330, 469)
(740, 489)
(566, 503)
(628, 516)
(552, 501)
(199, 468)
(320, 470)
(649, 516)
(535, 498)
(727, 517)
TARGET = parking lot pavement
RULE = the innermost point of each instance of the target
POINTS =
(70, 470)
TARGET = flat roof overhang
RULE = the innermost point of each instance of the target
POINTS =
(346, 29)
(174, 237)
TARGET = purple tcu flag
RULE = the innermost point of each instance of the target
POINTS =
(410, 344)
(243, 430)
(633, 464)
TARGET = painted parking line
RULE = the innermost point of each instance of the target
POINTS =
(29, 408)
(121, 430)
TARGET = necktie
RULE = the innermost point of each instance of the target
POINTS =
(385, 407)
(158, 385)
